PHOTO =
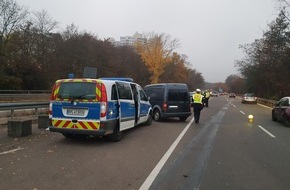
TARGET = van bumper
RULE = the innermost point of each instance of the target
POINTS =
(106, 127)
(181, 114)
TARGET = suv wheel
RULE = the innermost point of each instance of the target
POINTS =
(273, 117)
(157, 115)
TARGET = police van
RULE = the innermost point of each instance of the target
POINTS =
(98, 107)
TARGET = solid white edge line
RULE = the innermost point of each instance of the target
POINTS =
(11, 151)
(148, 182)
(265, 106)
(270, 134)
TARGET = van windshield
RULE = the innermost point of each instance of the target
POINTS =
(178, 95)
(77, 90)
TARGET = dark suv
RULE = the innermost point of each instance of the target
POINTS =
(169, 100)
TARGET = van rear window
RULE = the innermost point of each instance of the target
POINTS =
(178, 95)
(77, 90)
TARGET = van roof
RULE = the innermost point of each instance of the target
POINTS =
(100, 80)
(168, 84)
(78, 80)
(117, 79)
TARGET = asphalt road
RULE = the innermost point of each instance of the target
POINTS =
(224, 151)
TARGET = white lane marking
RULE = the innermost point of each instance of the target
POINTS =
(270, 134)
(265, 106)
(11, 151)
(148, 182)
(242, 112)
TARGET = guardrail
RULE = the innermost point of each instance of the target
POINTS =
(25, 91)
(23, 97)
(21, 106)
(266, 102)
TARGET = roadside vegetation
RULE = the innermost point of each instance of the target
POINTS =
(265, 68)
(34, 52)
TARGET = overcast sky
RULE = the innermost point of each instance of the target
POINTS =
(209, 31)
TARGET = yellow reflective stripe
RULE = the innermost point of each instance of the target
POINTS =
(87, 125)
(56, 91)
(98, 91)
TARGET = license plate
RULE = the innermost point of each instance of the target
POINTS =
(79, 112)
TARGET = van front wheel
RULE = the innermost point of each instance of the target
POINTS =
(157, 115)
(149, 120)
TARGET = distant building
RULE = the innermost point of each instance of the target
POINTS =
(128, 40)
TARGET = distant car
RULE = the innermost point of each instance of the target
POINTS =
(281, 110)
(249, 98)
(232, 95)
(214, 93)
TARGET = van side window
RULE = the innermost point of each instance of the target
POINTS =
(124, 90)
(114, 94)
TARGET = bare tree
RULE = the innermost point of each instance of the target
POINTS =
(70, 31)
(11, 17)
(43, 25)
(43, 22)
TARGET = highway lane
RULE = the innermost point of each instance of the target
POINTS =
(47, 160)
(227, 152)
(224, 151)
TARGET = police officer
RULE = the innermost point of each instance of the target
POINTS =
(197, 105)
(206, 98)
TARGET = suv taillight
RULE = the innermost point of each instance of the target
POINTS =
(164, 106)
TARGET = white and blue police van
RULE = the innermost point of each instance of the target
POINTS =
(97, 107)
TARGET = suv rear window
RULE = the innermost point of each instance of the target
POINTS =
(77, 90)
(178, 95)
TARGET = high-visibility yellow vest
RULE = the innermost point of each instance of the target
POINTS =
(207, 94)
(197, 98)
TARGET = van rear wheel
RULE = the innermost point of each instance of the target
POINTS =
(68, 135)
(117, 135)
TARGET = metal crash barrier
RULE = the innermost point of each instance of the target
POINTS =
(266, 102)
(21, 106)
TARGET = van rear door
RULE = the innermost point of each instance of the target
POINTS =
(126, 105)
(178, 99)
(75, 105)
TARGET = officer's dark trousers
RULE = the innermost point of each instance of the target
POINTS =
(206, 102)
(196, 110)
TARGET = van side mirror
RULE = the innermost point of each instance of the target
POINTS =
(147, 98)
